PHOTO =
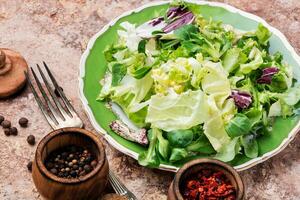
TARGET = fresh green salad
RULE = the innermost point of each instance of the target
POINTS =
(197, 86)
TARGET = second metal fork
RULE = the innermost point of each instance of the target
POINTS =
(61, 114)
(119, 187)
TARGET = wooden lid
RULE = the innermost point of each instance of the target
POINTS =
(12, 67)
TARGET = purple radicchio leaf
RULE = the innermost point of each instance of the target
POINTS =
(156, 21)
(176, 17)
(241, 99)
(174, 12)
(186, 18)
(267, 74)
(145, 30)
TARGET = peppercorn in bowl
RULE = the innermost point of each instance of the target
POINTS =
(70, 163)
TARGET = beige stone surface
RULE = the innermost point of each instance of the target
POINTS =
(57, 32)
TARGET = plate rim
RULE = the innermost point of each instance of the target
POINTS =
(134, 155)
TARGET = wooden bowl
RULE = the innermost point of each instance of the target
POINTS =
(194, 166)
(89, 186)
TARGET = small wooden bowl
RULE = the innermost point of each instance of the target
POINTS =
(194, 166)
(89, 186)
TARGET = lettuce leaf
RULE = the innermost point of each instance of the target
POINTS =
(216, 84)
(233, 58)
(256, 60)
(130, 95)
(215, 132)
(250, 145)
(177, 111)
(228, 151)
(149, 158)
(129, 36)
(263, 34)
(163, 146)
(275, 109)
(216, 79)
(291, 97)
(173, 75)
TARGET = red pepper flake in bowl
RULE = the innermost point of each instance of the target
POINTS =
(208, 184)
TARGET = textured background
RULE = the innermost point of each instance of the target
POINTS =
(57, 32)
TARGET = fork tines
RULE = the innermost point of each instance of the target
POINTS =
(60, 113)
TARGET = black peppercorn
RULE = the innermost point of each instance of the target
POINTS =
(88, 159)
(74, 161)
(31, 140)
(70, 162)
(13, 131)
(1, 119)
(7, 131)
(23, 122)
(29, 166)
(75, 166)
(87, 168)
(6, 124)
(73, 173)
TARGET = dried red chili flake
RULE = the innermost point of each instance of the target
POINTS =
(208, 184)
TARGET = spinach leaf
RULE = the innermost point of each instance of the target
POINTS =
(201, 145)
(142, 46)
(239, 125)
(186, 32)
(178, 154)
(180, 138)
(118, 73)
(167, 44)
(250, 145)
(141, 72)
(254, 115)
(192, 47)
(279, 83)
(149, 158)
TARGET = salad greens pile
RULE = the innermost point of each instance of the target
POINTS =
(200, 87)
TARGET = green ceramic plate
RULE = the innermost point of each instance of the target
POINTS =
(93, 67)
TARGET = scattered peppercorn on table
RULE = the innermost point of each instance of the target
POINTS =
(57, 32)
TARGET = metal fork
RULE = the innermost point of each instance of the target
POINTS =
(58, 115)
(119, 187)
(62, 114)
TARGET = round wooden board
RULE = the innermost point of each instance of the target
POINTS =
(14, 80)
